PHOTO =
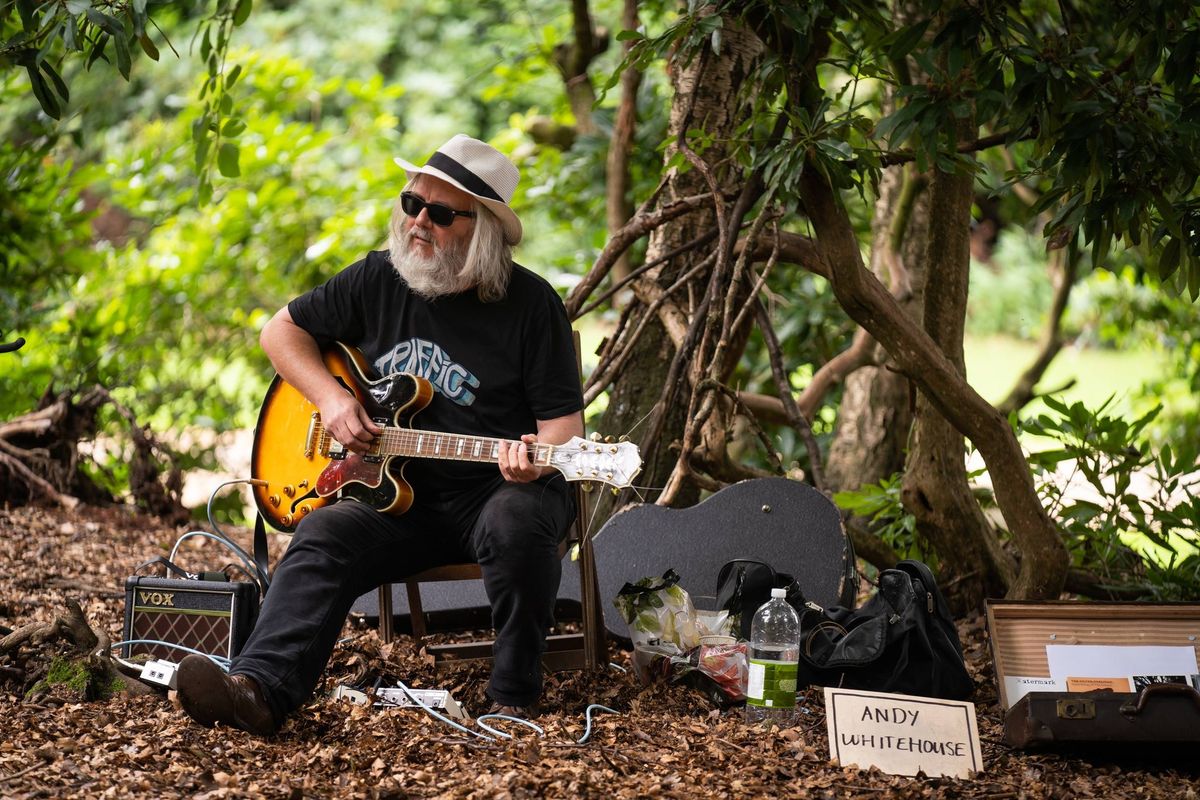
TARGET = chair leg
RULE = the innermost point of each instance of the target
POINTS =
(415, 613)
(386, 621)
(595, 645)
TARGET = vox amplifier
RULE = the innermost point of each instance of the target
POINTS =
(214, 617)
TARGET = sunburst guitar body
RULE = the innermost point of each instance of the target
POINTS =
(298, 467)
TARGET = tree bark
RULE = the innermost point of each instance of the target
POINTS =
(935, 488)
(618, 206)
(876, 411)
(573, 60)
(707, 96)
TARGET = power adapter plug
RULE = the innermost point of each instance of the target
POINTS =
(160, 672)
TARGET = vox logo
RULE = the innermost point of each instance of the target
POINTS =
(157, 598)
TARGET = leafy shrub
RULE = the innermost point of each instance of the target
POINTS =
(1127, 514)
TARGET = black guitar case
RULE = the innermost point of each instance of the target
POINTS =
(787, 524)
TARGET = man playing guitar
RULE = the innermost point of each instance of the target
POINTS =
(447, 303)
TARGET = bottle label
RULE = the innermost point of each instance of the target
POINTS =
(771, 684)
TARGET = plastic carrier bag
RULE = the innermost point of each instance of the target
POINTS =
(659, 613)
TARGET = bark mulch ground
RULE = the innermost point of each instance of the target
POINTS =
(666, 741)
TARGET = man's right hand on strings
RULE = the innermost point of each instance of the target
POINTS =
(347, 421)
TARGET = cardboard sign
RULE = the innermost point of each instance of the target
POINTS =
(901, 734)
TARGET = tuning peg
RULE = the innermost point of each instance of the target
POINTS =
(615, 491)
(622, 438)
(609, 439)
(587, 486)
(595, 437)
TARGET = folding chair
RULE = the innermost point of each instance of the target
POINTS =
(584, 650)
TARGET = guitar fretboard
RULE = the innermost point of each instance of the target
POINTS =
(431, 444)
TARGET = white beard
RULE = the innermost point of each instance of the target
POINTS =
(429, 276)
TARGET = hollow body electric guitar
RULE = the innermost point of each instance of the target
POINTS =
(299, 467)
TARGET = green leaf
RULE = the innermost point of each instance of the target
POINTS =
(97, 49)
(59, 84)
(1168, 262)
(148, 46)
(233, 128)
(41, 91)
(201, 153)
(71, 35)
(105, 22)
(232, 76)
(905, 39)
(227, 160)
(836, 149)
(124, 62)
(78, 6)
(242, 12)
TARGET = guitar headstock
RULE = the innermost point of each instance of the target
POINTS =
(614, 463)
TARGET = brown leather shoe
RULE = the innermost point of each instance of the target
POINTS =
(210, 696)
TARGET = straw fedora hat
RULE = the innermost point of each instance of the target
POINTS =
(481, 171)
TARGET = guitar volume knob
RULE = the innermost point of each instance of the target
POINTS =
(289, 490)
(274, 500)
(287, 520)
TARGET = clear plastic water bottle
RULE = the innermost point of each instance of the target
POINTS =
(774, 654)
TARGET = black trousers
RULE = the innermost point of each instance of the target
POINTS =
(344, 550)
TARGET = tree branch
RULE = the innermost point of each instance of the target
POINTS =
(617, 205)
(797, 420)
(889, 158)
(642, 223)
(1052, 338)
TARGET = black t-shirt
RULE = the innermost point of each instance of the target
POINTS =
(496, 368)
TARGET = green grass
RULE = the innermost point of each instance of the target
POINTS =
(995, 363)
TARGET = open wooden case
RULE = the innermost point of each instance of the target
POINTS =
(1074, 673)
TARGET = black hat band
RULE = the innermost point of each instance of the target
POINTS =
(469, 180)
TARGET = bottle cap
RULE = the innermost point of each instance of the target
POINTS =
(781, 593)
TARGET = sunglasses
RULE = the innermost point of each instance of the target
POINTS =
(438, 213)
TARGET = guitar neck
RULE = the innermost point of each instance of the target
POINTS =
(410, 443)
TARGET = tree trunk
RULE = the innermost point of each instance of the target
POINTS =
(876, 409)
(618, 204)
(706, 96)
(1044, 558)
(935, 488)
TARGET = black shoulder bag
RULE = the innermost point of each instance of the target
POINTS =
(902, 640)
(744, 584)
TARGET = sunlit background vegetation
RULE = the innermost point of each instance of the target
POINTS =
(119, 271)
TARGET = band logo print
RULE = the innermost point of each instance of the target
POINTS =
(429, 361)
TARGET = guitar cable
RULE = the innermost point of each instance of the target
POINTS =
(219, 536)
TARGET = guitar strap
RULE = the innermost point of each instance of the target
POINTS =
(260, 551)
